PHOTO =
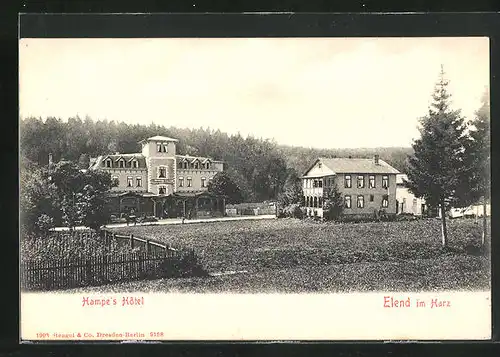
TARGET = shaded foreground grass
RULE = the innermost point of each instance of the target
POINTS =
(451, 273)
(289, 255)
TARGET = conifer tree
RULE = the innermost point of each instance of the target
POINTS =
(478, 158)
(436, 168)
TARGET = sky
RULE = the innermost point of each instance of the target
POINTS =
(313, 92)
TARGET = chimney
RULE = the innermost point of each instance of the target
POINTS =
(50, 159)
(376, 159)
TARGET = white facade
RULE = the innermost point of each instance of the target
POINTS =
(407, 202)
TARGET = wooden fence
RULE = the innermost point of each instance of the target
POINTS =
(77, 259)
(97, 270)
(134, 242)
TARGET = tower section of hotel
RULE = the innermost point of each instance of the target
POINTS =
(159, 152)
(367, 186)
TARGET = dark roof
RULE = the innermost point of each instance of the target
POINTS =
(193, 158)
(99, 161)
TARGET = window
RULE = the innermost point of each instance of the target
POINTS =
(121, 164)
(385, 181)
(361, 201)
(320, 183)
(315, 201)
(129, 181)
(109, 163)
(320, 202)
(203, 182)
(347, 201)
(138, 181)
(115, 178)
(197, 165)
(304, 183)
(135, 164)
(181, 181)
(385, 201)
(189, 182)
(207, 165)
(162, 172)
(162, 190)
(347, 181)
(371, 198)
(164, 147)
(361, 181)
(371, 181)
(158, 147)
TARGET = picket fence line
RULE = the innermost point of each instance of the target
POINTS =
(137, 242)
(145, 259)
(96, 270)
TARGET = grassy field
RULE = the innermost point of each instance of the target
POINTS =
(288, 255)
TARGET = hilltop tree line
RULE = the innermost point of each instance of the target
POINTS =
(260, 167)
(448, 166)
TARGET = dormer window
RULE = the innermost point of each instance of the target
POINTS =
(185, 165)
(196, 165)
(179, 165)
(207, 165)
(161, 147)
(109, 163)
(135, 164)
(121, 163)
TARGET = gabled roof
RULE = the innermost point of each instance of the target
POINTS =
(401, 178)
(159, 138)
(355, 165)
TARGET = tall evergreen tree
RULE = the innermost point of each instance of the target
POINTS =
(437, 166)
(479, 158)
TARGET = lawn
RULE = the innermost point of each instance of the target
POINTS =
(288, 255)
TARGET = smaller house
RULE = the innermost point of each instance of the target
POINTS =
(407, 202)
(368, 186)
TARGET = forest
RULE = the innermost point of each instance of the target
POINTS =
(259, 166)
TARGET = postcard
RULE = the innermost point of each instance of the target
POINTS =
(251, 189)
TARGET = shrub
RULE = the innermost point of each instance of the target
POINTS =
(44, 223)
(293, 211)
(188, 265)
(333, 205)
